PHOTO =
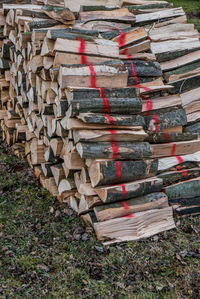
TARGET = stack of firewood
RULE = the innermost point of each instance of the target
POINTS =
(94, 97)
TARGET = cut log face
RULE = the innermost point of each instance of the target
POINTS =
(113, 172)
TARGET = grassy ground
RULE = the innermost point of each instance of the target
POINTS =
(48, 252)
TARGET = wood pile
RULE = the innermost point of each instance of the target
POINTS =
(103, 101)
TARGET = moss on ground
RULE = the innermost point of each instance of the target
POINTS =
(47, 252)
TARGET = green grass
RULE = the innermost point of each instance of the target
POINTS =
(47, 252)
(192, 8)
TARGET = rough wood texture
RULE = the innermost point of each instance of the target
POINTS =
(127, 229)
(108, 75)
(129, 190)
(139, 204)
(126, 150)
(166, 120)
(113, 172)
(170, 137)
(187, 189)
(115, 119)
(183, 174)
(97, 105)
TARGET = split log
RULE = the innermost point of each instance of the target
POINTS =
(87, 203)
(99, 47)
(188, 207)
(115, 119)
(126, 150)
(180, 61)
(129, 190)
(113, 172)
(183, 72)
(129, 229)
(167, 163)
(172, 177)
(120, 15)
(110, 74)
(184, 85)
(160, 16)
(175, 148)
(191, 96)
(166, 120)
(143, 68)
(187, 189)
(88, 93)
(120, 209)
(109, 135)
(170, 137)
(162, 103)
(97, 105)
(194, 128)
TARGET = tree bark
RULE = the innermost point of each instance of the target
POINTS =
(129, 190)
(113, 172)
(115, 105)
(104, 150)
(139, 204)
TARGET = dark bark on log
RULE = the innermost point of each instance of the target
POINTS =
(183, 70)
(62, 33)
(166, 120)
(186, 202)
(143, 68)
(184, 85)
(42, 24)
(149, 6)
(133, 190)
(6, 51)
(114, 33)
(186, 211)
(82, 94)
(188, 189)
(4, 64)
(96, 105)
(139, 204)
(194, 128)
(105, 173)
(162, 57)
(34, 14)
(53, 34)
(173, 177)
(139, 80)
(171, 137)
(115, 119)
(104, 150)
(60, 14)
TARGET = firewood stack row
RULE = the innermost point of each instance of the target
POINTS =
(97, 99)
